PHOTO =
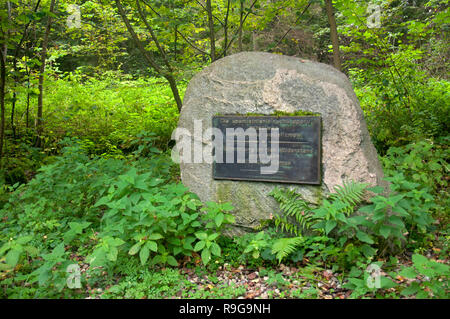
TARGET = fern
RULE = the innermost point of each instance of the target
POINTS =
(350, 194)
(285, 246)
(293, 206)
(297, 214)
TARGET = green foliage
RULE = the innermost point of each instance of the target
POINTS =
(256, 244)
(285, 246)
(148, 284)
(354, 233)
(51, 273)
(350, 194)
(12, 251)
(402, 92)
(293, 207)
(435, 282)
(127, 108)
(363, 281)
(161, 220)
(142, 213)
(424, 162)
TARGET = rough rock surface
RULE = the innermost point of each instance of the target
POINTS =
(255, 82)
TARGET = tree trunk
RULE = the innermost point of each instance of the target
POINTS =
(211, 30)
(241, 22)
(225, 29)
(333, 34)
(148, 56)
(2, 98)
(38, 123)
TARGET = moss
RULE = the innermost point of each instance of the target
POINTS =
(318, 194)
(223, 192)
(277, 113)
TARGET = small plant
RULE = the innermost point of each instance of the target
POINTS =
(434, 276)
(365, 280)
(284, 246)
(161, 221)
(15, 249)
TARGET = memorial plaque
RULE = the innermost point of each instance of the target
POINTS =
(248, 146)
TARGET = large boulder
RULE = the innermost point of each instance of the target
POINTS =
(256, 82)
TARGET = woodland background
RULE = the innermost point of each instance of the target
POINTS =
(90, 92)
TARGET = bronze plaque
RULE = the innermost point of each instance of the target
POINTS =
(247, 148)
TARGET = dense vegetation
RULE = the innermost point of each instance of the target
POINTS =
(90, 94)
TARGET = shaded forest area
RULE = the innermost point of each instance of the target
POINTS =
(90, 92)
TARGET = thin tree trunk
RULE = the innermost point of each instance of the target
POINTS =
(211, 30)
(2, 98)
(38, 123)
(16, 55)
(225, 29)
(149, 57)
(241, 22)
(333, 34)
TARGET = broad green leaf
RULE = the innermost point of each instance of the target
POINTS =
(143, 255)
(219, 219)
(172, 261)
(12, 257)
(329, 226)
(408, 272)
(201, 235)
(206, 256)
(199, 246)
(136, 247)
(385, 231)
(153, 246)
(215, 249)
(364, 237)
(155, 236)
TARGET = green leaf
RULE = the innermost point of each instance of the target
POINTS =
(199, 246)
(376, 189)
(201, 235)
(213, 236)
(112, 253)
(385, 231)
(412, 289)
(364, 237)
(219, 219)
(143, 255)
(215, 249)
(12, 258)
(155, 236)
(153, 246)
(206, 256)
(172, 261)
(396, 221)
(24, 240)
(329, 226)
(387, 283)
(408, 272)
(368, 251)
(136, 247)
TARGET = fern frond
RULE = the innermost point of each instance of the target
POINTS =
(281, 223)
(350, 194)
(294, 209)
(283, 247)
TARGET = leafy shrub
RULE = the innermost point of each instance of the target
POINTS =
(108, 112)
(424, 162)
(163, 219)
(435, 278)
(375, 228)
(105, 209)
